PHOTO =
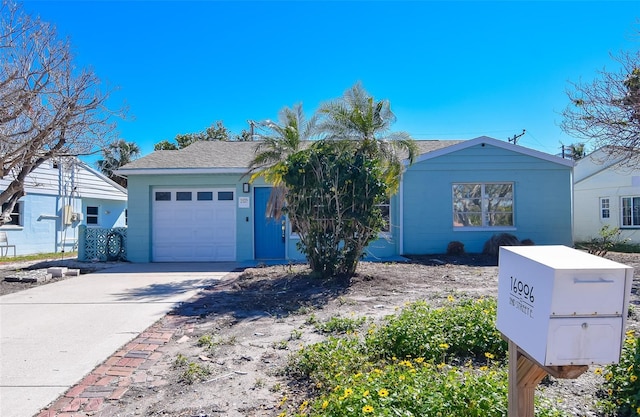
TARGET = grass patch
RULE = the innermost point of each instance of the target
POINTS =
(38, 257)
(626, 248)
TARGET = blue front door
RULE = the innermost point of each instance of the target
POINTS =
(269, 233)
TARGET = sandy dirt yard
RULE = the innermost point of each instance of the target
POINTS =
(253, 320)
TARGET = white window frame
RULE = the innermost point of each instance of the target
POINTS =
(292, 233)
(605, 208)
(484, 214)
(386, 231)
(631, 215)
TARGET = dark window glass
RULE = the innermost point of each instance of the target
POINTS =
(225, 195)
(631, 211)
(183, 196)
(15, 214)
(604, 205)
(92, 215)
(205, 195)
(163, 196)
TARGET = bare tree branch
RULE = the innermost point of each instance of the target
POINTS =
(48, 107)
(606, 111)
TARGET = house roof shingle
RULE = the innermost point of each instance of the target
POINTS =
(231, 155)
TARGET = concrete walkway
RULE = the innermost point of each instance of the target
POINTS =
(53, 335)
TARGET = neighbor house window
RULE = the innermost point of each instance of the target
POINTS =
(386, 216)
(605, 208)
(631, 211)
(92, 215)
(483, 205)
(15, 214)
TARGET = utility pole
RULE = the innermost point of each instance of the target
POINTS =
(251, 128)
(514, 139)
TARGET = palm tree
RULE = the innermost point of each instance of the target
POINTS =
(282, 139)
(117, 154)
(578, 151)
(357, 116)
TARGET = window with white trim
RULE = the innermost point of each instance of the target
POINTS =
(92, 215)
(16, 219)
(605, 208)
(385, 210)
(630, 211)
(483, 205)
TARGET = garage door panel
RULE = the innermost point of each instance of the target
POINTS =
(194, 231)
(207, 252)
(204, 216)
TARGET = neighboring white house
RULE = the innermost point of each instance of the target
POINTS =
(606, 192)
(60, 196)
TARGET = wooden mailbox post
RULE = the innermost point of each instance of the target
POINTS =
(524, 376)
(561, 310)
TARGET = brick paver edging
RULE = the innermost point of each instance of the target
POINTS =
(129, 365)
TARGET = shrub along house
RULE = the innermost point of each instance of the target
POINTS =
(196, 204)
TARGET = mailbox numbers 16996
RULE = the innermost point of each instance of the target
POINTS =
(523, 290)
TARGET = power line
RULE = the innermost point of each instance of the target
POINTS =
(514, 139)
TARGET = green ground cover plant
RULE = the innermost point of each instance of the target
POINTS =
(463, 329)
(190, 371)
(621, 389)
(423, 361)
(338, 325)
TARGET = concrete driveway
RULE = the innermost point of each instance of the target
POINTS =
(51, 336)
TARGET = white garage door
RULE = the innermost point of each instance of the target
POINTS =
(194, 225)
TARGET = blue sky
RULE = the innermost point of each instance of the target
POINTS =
(451, 70)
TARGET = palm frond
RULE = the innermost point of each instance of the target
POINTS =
(357, 116)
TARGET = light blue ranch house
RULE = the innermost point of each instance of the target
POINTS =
(61, 195)
(196, 204)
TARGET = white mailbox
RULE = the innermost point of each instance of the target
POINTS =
(562, 306)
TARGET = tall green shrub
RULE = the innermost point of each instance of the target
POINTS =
(334, 191)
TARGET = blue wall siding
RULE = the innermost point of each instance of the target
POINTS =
(542, 198)
(542, 204)
(139, 233)
(110, 213)
(140, 190)
(139, 219)
(37, 234)
(42, 229)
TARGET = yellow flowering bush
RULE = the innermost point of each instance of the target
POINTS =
(374, 375)
(466, 328)
(621, 388)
